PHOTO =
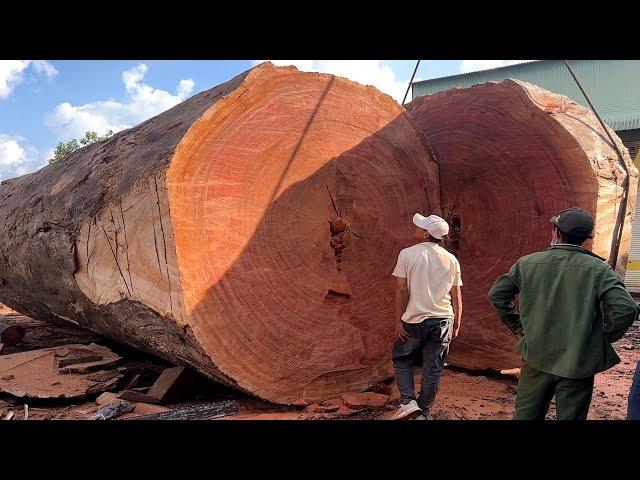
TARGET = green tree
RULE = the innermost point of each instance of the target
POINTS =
(63, 150)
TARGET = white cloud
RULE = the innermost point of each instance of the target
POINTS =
(142, 102)
(12, 73)
(17, 157)
(367, 72)
(44, 68)
(467, 66)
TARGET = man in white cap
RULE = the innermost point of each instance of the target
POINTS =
(427, 276)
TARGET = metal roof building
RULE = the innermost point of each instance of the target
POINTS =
(613, 87)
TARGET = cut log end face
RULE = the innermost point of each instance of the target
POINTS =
(285, 236)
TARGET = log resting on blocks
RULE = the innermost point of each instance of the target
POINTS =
(248, 232)
(510, 156)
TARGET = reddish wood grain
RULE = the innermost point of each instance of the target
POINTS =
(289, 301)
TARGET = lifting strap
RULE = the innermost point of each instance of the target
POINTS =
(410, 82)
(617, 231)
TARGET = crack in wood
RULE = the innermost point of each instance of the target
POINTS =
(88, 237)
(155, 242)
(74, 254)
(115, 231)
(116, 259)
(164, 241)
(455, 203)
(124, 227)
(333, 203)
(92, 250)
(358, 236)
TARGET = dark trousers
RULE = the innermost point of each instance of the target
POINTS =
(429, 338)
(633, 408)
(536, 389)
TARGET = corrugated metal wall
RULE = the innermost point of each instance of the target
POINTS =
(632, 277)
(612, 85)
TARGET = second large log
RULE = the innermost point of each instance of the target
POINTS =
(510, 156)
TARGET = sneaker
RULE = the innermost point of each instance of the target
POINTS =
(407, 410)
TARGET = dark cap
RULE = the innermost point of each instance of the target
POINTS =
(574, 221)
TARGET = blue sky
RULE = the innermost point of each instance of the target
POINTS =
(46, 102)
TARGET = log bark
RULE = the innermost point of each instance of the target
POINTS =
(510, 156)
(112, 410)
(248, 232)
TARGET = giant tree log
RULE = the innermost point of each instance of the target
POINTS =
(510, 156)
(248, 232)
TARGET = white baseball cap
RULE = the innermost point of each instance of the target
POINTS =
(435, 225)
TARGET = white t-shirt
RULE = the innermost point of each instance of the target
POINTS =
(431, 272)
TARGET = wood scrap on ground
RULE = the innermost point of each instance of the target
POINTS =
(35, 373)
(174, 384)
(106, 397)
(74, 361)
(141, 408)
(133, 396)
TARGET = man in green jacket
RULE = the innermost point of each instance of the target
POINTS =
(572, 307)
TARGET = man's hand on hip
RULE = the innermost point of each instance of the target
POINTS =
(401, 333)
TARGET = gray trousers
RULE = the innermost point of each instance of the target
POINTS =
(429, 338)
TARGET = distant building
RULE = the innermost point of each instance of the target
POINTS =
(613, 87)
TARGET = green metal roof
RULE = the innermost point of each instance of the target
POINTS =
(612, 85)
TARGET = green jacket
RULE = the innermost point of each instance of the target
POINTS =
(572, 308)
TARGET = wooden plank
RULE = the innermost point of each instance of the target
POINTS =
(134, 396)
(33, 374)
(106, 397)
(145, 409)
(74, 361)
(167, 383)
(87, 367)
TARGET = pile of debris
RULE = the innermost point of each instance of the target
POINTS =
(93, 374)
(146, 402)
